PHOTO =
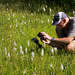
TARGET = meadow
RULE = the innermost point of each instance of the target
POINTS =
(18, 54)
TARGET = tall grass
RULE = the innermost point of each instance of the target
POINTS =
(18, 54)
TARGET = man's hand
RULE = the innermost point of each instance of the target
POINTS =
(45, 36)
(46, 41)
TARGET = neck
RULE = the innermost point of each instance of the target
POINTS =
(67, 21)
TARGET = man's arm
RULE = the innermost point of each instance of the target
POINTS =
(65, 40)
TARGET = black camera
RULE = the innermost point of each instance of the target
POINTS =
(40, 36)
(35, 40)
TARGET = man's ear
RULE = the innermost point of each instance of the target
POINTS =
(64, 20)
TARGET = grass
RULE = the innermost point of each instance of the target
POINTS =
(18, 55)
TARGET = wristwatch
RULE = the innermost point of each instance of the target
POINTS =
(53, 39)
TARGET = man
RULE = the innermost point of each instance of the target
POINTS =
(65, 29)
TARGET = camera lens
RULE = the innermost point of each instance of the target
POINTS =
(35, 40)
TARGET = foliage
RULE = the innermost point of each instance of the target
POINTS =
(18, 54)
(65, 5)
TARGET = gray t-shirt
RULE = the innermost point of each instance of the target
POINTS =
(71, 31)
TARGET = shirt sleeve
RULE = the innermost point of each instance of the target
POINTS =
(72, 29)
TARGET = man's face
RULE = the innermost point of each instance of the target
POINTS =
(61, 25)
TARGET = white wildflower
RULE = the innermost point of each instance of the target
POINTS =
(16, 19)
(23, 33)
(51, 57)
(20, 47)
(50, 10)
(13, 15)
(61, 67)
(41, 58)
(44, 44)
(15, 43)
(10, 35)
(52, 50)
(15, 32)
(32, 54)
(48, 20)
(46, 6)
(38, 10)
(2, 38)
(7, 3)
(41, 21)
(10, 26)
(25, 71)
(55, 48)
(52, 21)
(15, 49)
(29, 20)
(21, 51)
(36, 19)
(34, 73)
(51, 65)
(29, 5)
(34, 69)
(44, 9)
(16, 4)
(31, 14)
(24, 22)
(7, 9)
(5, 51)
(73, 12)
(20, 30)
(31, 58)
(8, 18)
(16, 25)
(53, 15)
(9, 14)
(8, 55)
(26, 50)
(23, 16)
(28, 42)
(42, 52)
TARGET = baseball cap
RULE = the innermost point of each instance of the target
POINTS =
(58, 17)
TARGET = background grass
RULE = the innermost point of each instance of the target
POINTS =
(18, 55)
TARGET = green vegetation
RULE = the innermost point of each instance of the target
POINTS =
(19, 23)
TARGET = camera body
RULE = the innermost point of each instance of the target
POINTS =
(35, 40)
(40, 36)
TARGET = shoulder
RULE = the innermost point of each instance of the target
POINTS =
(72, 19)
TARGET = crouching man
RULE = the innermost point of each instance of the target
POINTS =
(65, 29)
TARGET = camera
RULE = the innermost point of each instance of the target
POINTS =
(40, 36)
(35, 40)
